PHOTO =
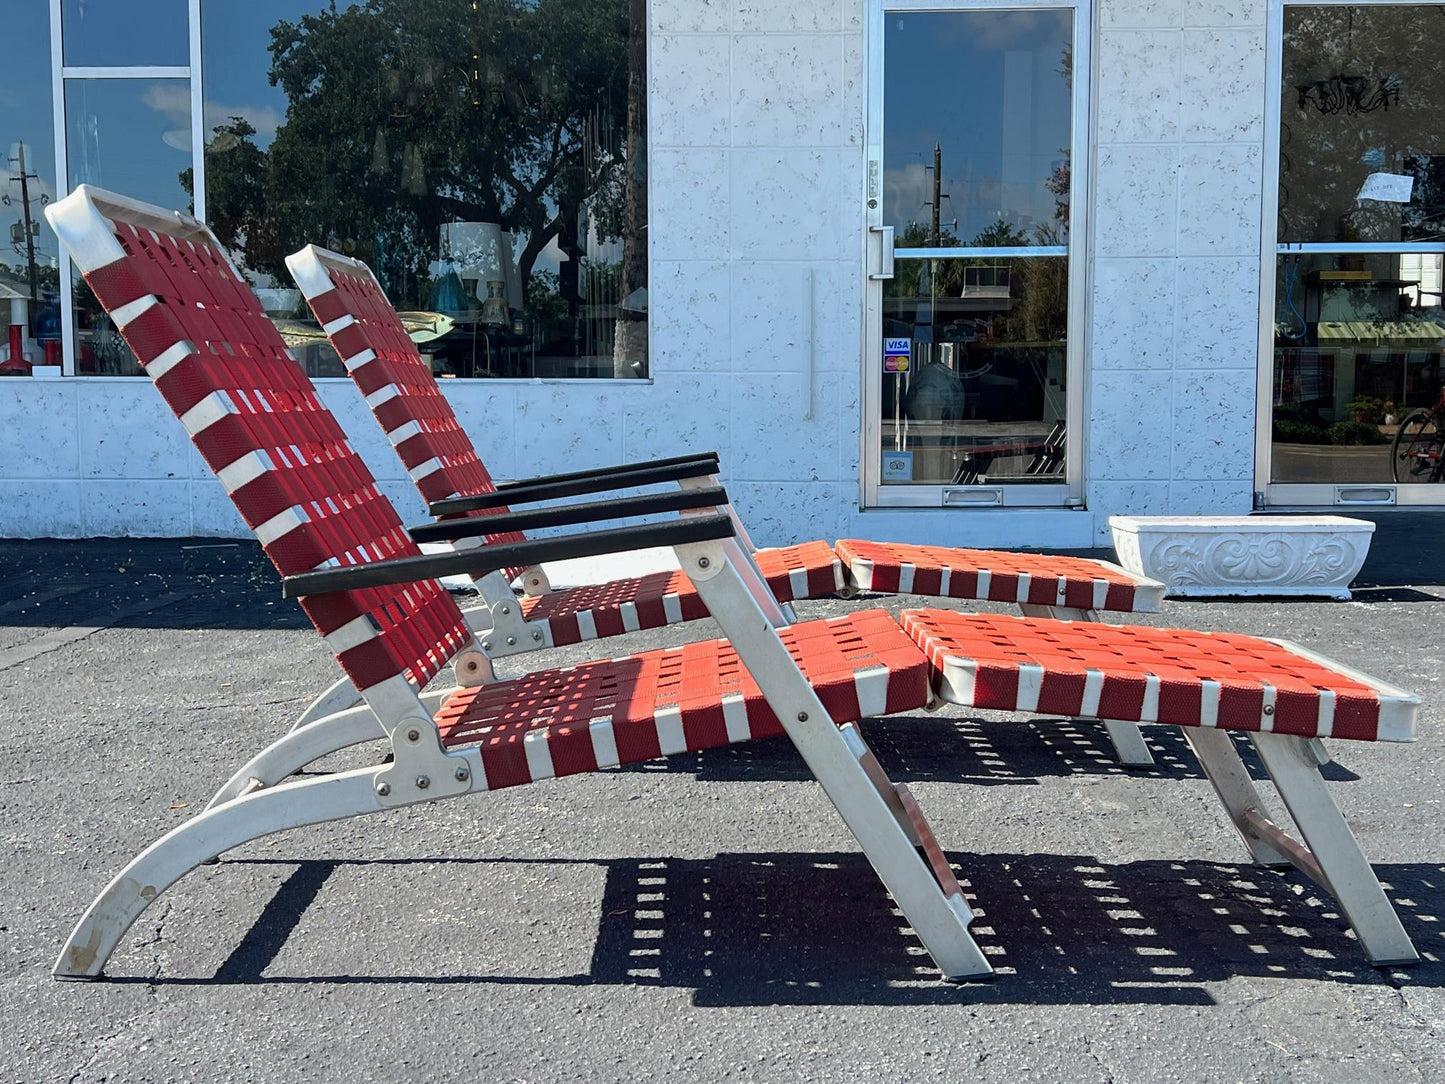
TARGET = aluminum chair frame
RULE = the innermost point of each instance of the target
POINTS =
(882, 817)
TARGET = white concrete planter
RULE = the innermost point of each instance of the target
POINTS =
(1198, 556)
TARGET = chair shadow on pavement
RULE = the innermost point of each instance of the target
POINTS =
(952, 749)
(787, 928)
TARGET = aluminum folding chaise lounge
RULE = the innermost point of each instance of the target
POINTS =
(202, 337)
(443, 463)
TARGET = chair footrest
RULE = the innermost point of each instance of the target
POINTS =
(1139, 674)
(807, 570)
(998, 576)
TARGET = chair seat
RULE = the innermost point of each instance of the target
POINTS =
(659, 703)
(1082, 669)
(999, 576)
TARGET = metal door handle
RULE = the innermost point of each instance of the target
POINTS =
(885, 255)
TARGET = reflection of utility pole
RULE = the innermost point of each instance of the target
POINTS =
(29, 226)
(935, 237)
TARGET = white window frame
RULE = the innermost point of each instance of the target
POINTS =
(60, 74)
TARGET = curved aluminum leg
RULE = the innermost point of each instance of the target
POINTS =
(299, 748)
(339, 697)
(164, 862)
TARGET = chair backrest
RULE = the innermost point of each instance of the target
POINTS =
(398, 384)
(200, 333)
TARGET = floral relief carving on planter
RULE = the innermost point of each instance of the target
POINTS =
(1244, 555)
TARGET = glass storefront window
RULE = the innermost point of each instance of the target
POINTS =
(1358, 325)
(100, 33)
(1361, 112)
(29, 255)
(1355, 351)
(132, 136)
(980, 392)
(488, 162)
(1003, 159)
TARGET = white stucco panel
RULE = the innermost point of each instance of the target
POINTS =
(691, 315)
(1136, 201)
(1138, 86)
(143, 508)
(40, 508)
(1219, 199)
(39, 435)
(1129, 426)
(769, 16)
(795, 204)
(691, 16)
(688, 104)
(772, 438)
(128, 431)
(1133, 314)
(689, 215)
(787, 90)
(1218, 313)
(1214, 425)
(680, 414)
(1223, 85)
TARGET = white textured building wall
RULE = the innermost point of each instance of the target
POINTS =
(1178, 182)
(756, 167)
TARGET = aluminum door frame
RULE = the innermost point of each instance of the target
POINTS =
(1069, 493)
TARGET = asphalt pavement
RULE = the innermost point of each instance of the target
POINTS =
(706, 917)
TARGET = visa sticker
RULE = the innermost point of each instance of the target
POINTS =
(898, 346)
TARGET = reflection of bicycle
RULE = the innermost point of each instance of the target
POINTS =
(1418, 453)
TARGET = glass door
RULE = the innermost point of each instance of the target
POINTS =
(975, 301)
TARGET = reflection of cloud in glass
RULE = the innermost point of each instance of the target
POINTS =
(174, 103)
(1007, 29)
(905, 191)
(264, 118)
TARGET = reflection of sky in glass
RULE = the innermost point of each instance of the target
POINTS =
(235, 56)
(987, 87)
(25, 116)
(131, 136)
(101, 32)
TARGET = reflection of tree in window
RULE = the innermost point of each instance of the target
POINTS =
(402, 117)
(1361, 93)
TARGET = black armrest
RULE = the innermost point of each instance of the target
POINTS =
(585, 512)
(575, 487)
(480, 560)
(616, 468)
